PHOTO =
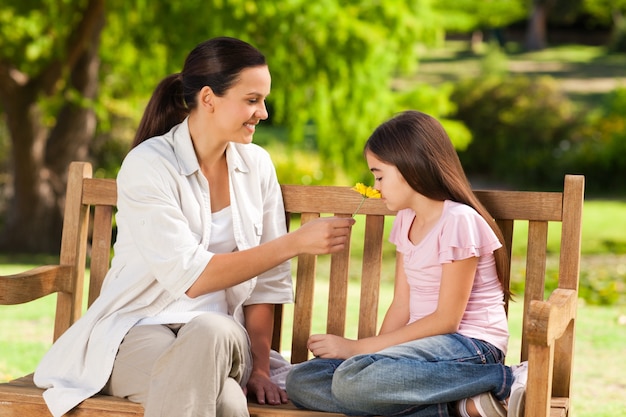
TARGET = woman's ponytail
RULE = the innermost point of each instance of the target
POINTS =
(165, 109)
(216, 63)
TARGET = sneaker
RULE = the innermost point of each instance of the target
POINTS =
(517, 399)
(485, 403)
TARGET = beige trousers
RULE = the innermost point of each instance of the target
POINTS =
(194, 369)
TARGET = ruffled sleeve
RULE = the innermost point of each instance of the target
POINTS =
(465, 234)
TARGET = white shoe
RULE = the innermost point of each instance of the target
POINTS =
(517, 399)
(486, 405)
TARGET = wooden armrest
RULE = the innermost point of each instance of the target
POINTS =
(548, 320)
(35, 283)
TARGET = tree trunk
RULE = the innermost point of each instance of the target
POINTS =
(41, 156)
(536, 31)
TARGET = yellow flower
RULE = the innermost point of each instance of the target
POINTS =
(366, 192)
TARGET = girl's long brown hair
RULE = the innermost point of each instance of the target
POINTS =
(216, 63)
(420, 148)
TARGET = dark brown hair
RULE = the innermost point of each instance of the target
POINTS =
(216, 63)
(420, 148)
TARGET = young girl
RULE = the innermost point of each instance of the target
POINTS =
(183, 323)
(441, 347)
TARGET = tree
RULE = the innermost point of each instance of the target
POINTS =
(332, 66)
(471, 16)
(610, 13)
(49, 60)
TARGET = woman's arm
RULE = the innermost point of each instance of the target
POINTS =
(456, 285)
(224, 270)
(259, 324)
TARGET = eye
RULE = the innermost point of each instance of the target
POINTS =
(378, 178)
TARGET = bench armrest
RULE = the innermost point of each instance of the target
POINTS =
(35, 283)
(548, 320)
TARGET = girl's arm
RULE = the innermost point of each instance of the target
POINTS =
(397, 314)
(456, 285)
(259, 324)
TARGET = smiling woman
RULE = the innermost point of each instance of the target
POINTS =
(202, 253)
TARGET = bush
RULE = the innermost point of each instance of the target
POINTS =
(519, 125)
(599, 146)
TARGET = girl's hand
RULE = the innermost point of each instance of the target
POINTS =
(332, 347)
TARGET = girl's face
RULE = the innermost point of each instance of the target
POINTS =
(243, 106)
(395, 191)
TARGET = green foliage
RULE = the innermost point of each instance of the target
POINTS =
(332, 63)
(603, 12)
(518, 124)
(468, 15)
(30, 31)
(599, 146)
(618, 36)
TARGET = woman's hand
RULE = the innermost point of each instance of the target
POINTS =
(332, 347)
(323, 235)
(264, 390)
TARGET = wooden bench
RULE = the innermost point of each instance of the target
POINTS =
(548, 321)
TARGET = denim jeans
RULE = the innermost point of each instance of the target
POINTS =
(421, 378)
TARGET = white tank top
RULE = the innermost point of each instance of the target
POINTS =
(185, 308)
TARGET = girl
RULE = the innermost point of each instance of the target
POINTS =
(184, 319)
(441, 347)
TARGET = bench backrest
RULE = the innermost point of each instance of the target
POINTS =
(89, 214)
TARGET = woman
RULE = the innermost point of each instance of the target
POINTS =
(185, 315)
(445, 334)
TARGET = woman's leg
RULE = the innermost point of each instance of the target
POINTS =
(135, 358)
(188, 379)
(185, 370)
(411, 378)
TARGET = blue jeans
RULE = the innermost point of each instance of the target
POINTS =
(421, 378)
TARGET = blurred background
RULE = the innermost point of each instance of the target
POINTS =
(528, 90)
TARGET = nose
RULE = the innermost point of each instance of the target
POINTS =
(261, 111)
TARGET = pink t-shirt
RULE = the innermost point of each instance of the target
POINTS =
(459, 234)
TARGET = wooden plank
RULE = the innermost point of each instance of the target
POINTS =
(305, 289)
(370, 275)
(338, 291)
(100, 249)
(285, 410)
(73, 248)
(571, 232)
(522, 205)
(535, 273)
(329, 199)
(539, 387)
(99, 191)
(33, 284)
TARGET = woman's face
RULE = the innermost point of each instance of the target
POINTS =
(243, 106)
(395, 191)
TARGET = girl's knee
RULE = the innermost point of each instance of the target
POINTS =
(353, 379)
